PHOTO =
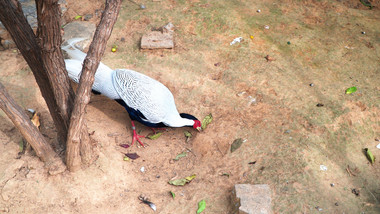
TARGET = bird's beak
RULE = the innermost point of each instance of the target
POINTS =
(199, 128)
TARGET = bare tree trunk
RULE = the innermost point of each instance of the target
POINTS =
(91, 63)
(49, 36)
(30, 133)
(22, 34)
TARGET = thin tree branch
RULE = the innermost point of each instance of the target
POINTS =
(30, 132)
(91, 63)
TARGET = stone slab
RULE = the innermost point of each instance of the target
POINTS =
(252, 199)
(163, 38)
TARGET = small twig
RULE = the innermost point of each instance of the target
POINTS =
(191, 151)
(348, 171)
(372, 195)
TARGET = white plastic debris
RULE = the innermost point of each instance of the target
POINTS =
(378, 146)
(31, 110)
(323, 167)
(258, 11)
(251, 100)
(142, 169)
(238, 39)
(266, 27)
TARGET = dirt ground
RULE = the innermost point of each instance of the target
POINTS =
(317, 49)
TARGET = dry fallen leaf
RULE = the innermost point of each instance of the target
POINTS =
(36, 120)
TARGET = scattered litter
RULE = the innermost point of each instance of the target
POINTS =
(182, 155)
(21, 145)
(114, 48)
(132, 156)
(320, 105)
(155, 136)
(31, 110)
(201, 206)
(36, 120)
(252, 163)
(241, 93)
(142, 7)
(356, 192)
(266, 27)
(366, 3)
(269, 58)
(369, 155)
(352, 172)
(332, 184)
(318, 208)
(238, 39)
(348, 47)
(183, 181)
(251, 100)
(124, 145)
(207, 120)
(323, 167)
(142, 169)
(259, 11)
(225, 174)
(188, 136)
(146, 201)
(351, 90)
(173, 194)
(115, 134)
(237, 143)
(378, 146)
(311, 84)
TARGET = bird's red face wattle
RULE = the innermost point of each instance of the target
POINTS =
(197, 125)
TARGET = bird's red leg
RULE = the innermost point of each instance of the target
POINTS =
(135, 135)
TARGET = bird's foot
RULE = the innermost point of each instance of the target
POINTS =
(137, 137)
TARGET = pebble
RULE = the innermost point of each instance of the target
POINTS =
(332, 184)
(87, 17)
(142, 169)
(311, 84)
(258, 11)
(363, 32)
(142, 7)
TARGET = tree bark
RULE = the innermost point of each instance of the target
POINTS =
(50, 39)
(22, 34)
(91, 63)
(30, 132)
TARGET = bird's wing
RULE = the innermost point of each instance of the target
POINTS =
(140, 92)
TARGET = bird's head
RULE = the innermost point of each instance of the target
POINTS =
(197, 125)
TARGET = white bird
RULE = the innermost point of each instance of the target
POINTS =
(145, 99)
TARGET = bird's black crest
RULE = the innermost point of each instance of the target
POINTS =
(188, 116)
